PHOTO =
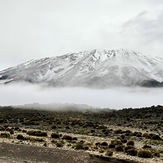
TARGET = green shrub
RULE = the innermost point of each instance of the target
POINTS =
(74, 138)
(109, 153)
(114, 143)
(55, 135)
(119, 131)
(132, 152)
(17, 128)
(157, 154)
(97, 144)
(21, 137)
(147, 146)
(67, 137)
(11, 131)
(111, 145)
(122, 137)
(130, 143)
(145, 154)
(155, 137)
(92, 131)
(128, 132)
(138, 134)
(124, 141)
(86, 148)
(147, 136)
(54, 127)
(128, 147)
(119, 148)
(36, 139)
(5, 135)
(59, 144)
(79, 146)
(104, 144)
(2, 128)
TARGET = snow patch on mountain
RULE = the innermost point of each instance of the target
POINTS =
(94, 68)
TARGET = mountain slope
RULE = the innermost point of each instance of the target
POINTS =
(96, 68)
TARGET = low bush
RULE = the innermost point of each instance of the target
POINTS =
(124, 141)
(74, 138)
(145, 154)
(79, 146)
(119, 148)
(128, 132)
(157, 154)
(155, 137)
(54, 127)
(137, 134)
(5, 135)
(130, 143)
(21, 137)
(111, 145)
(35, 139)
(146, 146)
(55, 135)
(132, 152)
(59, 144)
(11, 131)
(2, 128)
(147, 136)
(92, 131)
(17, 129)
(97, 144)
(128, 147)
(119, 131)
(109, 153)
(104, 144)
(114, 143)
(67, 137)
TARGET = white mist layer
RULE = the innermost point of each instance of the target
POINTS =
(116, 98)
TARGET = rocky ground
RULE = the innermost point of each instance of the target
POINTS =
(129, 135)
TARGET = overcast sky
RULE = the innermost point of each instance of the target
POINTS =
(42, 28)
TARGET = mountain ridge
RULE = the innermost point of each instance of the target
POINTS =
(94, 68)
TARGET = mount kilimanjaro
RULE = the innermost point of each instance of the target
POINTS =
(95, 68)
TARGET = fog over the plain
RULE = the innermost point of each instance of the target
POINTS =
(114, 98)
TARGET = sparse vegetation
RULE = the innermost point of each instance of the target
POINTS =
(105, 132)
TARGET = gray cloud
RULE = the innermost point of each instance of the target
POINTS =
(40, 28)
(146, 31)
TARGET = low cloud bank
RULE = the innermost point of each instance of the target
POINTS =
(114, 98)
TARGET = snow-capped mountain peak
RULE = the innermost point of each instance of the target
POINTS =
(94, 68)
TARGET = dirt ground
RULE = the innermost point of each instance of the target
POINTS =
(16, 153)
